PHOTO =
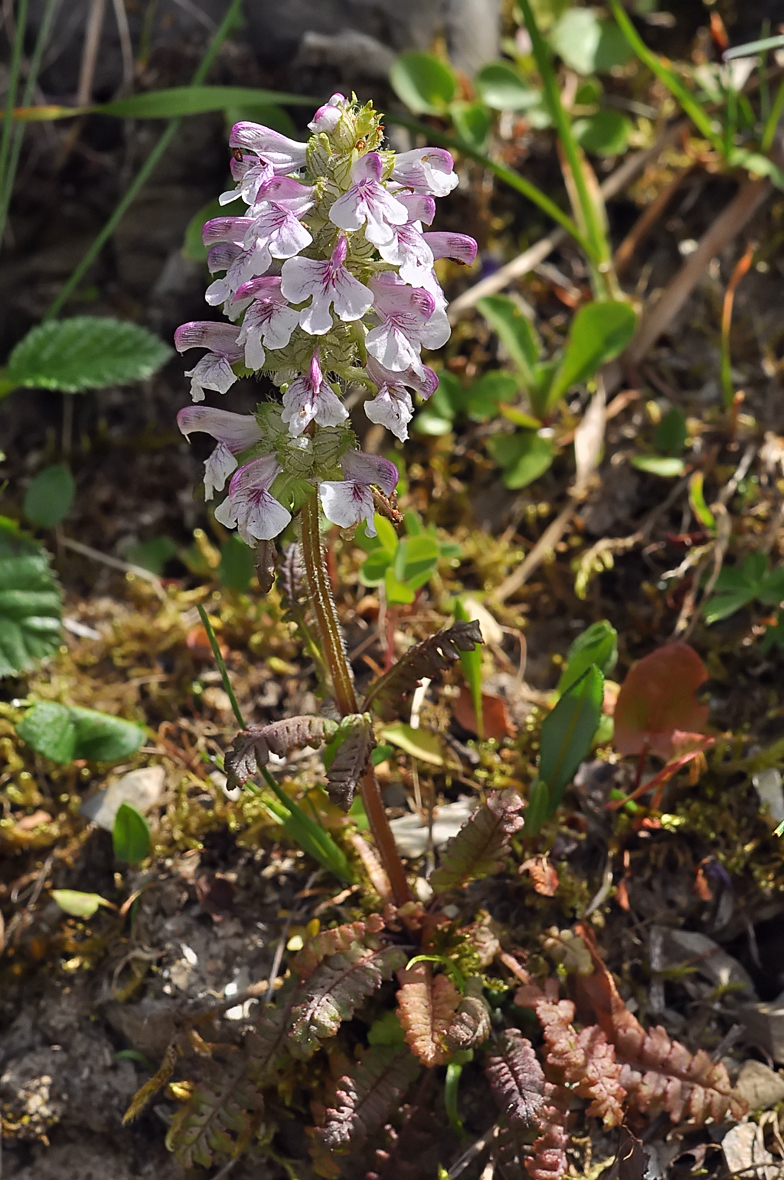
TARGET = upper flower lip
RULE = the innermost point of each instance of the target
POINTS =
(283, 154)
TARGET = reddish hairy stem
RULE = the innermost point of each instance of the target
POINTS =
(343, 688)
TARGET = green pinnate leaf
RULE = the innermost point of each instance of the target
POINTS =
(85, 352)
(64, 733)
(30, 603)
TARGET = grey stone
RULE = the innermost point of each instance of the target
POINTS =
(141, 789)
(760, 1085)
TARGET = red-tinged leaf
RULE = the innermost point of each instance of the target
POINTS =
(495, 715)
(657, 698)
(544, 877)
(426, 1011)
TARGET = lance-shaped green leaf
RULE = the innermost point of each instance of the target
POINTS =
(599, 332)
(64, 733)
(598, 645)
(78, 904)
(30, 602)
(567, 732)
(516, 333)
(85, 352)
(130, 835)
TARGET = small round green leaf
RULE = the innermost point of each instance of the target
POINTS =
(502, 88)
(424, 83)
(130, 835)
(86, 352)
(50, 496)
(78, 905)
(524, 456)
(30, 603)
(604, 134)
(588, 44)
(472, 122)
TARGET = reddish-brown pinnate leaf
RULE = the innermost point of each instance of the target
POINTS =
(657, 698)
(543, 875)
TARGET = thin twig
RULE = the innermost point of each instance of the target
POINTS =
(92, 42)
(468, 1156)
(114, 563)
(126, 47)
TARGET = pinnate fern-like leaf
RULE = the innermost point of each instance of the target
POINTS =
(471, 1025)
(516, 1078)
(338, 940)
(253, 746)
(480, 846)
(547, 1160)
(426, 1011)
(335, 990)
(220, 1117)
(586, 1060)
(366, 1096)
(426, 659)
(355, 734)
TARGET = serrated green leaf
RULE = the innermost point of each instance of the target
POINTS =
(30, 603)
(85, 352)
(599, 332)
(50, 496)
(130, 835)
(502, 87)
(423, 82)
(64, 733)
(567, 733)
(78, 905)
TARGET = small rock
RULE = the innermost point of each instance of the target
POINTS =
(768, 786)
(687, 946)
(761, 1086)
(411, 835)
(765, 1026)
(744, 1151)
(141, 789)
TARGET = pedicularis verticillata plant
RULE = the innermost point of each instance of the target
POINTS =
(327, 280)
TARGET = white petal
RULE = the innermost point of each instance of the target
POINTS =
(212, 372)
(346, 211)
(437, 330)
(316, 319)
(345, 503)
(279, 326)
(352, 299)
(300, 277)
(392, 410)
(217, 470)
(392, 349)
(264, 519)
(330, 410)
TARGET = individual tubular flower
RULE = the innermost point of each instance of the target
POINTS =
(224, 238)
(233, 433)
(404, 313)
(368, 203)
(392, 406)
(327, 283)
(458, 247)
(426, 170)
(347, 501)
(214, 370)
(311, 399)
(278, 228)
(249, 506)
(268, 318)
(407, 249)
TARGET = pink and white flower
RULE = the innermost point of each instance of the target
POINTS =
(269, 319)
(392, 406)
(405, 315)
(458, 247)
(327, 117)
(312, 399)
(368, 203)
(225, 238)
(278, 227)
(233, 433)
(407, 249)
(214, 370)
(327, 283)
(347, 501)
(426, 170)
(249, 506)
